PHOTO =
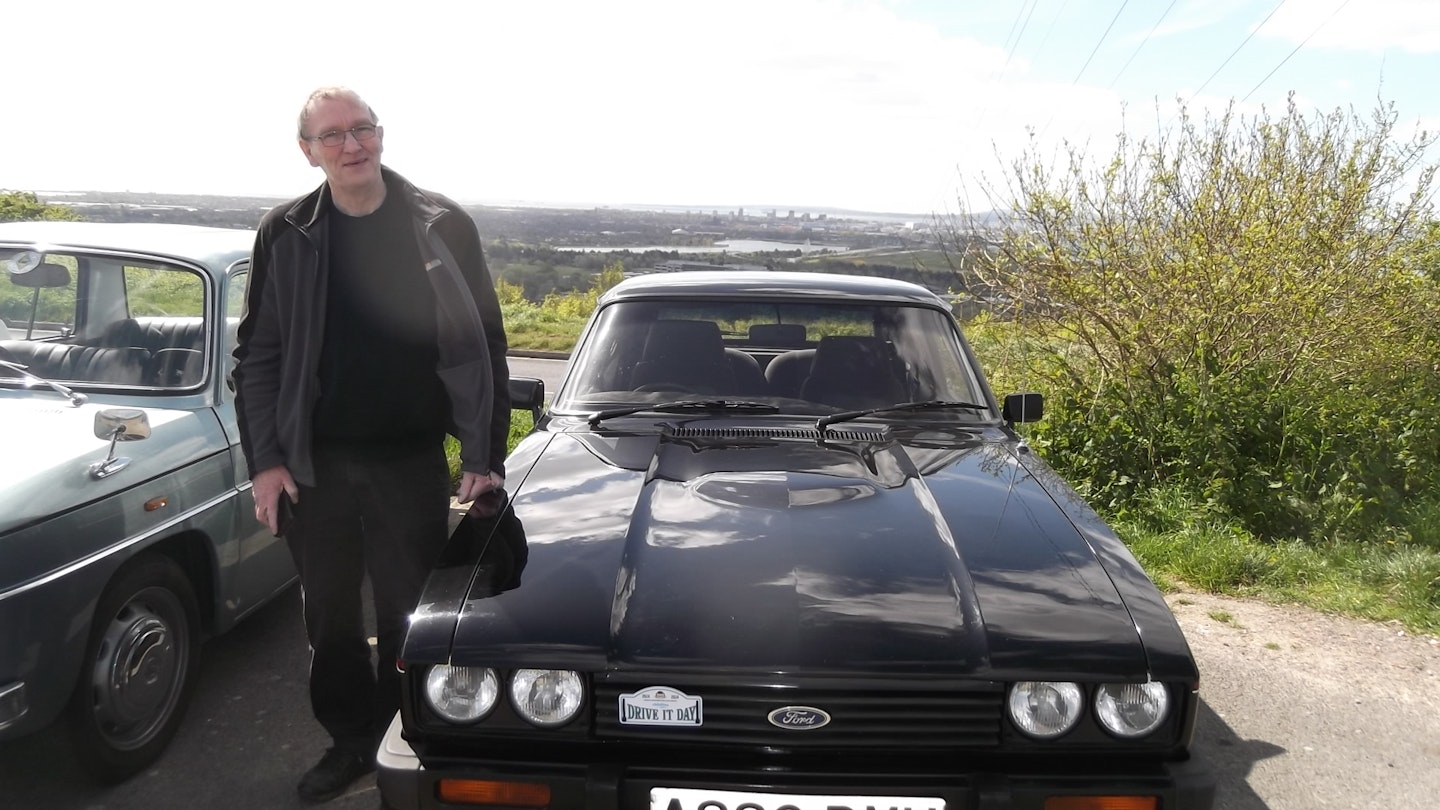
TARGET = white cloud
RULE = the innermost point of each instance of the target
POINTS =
(1373, 25)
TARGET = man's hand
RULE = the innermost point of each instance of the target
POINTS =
(268, 486)
(473, 485)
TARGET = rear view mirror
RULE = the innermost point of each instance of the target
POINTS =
(41, 276)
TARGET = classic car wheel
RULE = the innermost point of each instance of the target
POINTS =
(140, 667)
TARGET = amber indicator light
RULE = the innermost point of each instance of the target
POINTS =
(482, 791)
(157, 503)
(1102, 803)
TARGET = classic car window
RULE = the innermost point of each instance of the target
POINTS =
(159, 291)
(804, 358)
(102, 320)
(234, 308)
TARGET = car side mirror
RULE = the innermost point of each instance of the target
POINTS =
(527, 393)
(118, 425)
(1026, 407)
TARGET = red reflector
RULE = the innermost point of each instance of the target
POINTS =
(481, 791)
(1102, 803)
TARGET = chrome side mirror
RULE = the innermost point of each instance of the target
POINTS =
(118, 425)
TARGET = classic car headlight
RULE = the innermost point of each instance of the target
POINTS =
(1131, 709)
(546, 697)
(1045, 709)
(461, 694)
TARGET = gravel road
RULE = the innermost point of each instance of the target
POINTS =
(1306, 710)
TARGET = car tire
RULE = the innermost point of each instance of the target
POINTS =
(139, 669)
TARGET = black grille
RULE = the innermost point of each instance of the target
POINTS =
(806, 434)
(875, 714)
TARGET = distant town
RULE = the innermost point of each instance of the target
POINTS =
(547, 250)
(599, 226)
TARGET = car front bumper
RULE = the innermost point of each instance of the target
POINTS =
(406, 784)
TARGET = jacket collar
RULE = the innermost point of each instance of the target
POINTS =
(308, 211)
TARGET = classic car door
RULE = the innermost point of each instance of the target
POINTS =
(265, 563)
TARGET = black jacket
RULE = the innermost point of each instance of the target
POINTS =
(278, 347)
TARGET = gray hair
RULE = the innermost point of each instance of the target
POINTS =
(329, 94)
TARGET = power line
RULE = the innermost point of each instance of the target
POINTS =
(1022, 21)
(1017, 32)
(1136, 52)
(1049, 29)
(1302, 44)
(1045, 129)
(1101, 41)
(1232, 53)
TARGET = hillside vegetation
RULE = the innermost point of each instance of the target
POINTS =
(1236, 330)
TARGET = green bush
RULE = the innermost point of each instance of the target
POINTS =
(1242, 310)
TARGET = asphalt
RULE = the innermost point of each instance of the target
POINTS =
(247, 737)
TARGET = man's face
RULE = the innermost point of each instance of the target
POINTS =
(353, 163)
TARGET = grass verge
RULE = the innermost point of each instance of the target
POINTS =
(1396, 579)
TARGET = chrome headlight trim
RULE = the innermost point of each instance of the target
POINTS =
(461, 695)
(1132, 710)
(547, 698)
(1045, 710)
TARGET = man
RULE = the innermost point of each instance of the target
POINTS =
(371, 329)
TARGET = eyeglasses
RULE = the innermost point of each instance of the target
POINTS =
(335, 137)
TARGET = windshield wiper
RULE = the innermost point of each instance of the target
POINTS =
(686, 405)
(928, 405)
(76, 399)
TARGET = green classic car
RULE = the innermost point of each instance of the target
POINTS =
(127, 528)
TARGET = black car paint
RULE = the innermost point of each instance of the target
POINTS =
(942, 553)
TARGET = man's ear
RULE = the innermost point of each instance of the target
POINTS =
(305, 147)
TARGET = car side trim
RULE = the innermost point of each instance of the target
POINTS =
(123, 545)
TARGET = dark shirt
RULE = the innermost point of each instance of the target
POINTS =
(380, 394)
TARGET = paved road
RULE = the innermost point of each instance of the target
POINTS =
(547, 369)
(1282, 726)
(246, 739)
(1304, 710)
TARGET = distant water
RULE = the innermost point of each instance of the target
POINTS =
(728, 246)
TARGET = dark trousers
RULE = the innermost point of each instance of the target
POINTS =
(385, 518)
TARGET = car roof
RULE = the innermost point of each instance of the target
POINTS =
(216, 248)
(770, 285)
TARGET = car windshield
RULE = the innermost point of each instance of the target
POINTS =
(95, 320)
(802, 357)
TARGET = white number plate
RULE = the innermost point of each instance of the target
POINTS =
(688, 799)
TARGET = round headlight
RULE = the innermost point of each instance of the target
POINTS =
(1044, 709)
(461, 694)
(546, 697)
(1131, 709)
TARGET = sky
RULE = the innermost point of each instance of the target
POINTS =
(907, 106)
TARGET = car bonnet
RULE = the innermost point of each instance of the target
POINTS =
(854, 552)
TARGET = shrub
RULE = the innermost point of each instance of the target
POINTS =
(1238, 310)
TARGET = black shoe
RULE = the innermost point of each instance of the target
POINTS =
(335, 772)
